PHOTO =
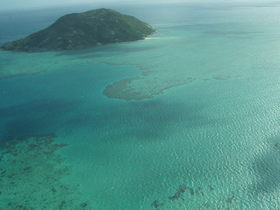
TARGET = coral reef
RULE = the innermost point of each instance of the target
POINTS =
(31, 173)
(179, 193)
(194, 191)
(157, 204)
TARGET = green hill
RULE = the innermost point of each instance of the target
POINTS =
(84, 30)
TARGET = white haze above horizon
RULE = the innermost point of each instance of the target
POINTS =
(31, 4)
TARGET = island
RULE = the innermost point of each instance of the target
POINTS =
(84, 30)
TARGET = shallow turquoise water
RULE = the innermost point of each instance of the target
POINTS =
(214, 128)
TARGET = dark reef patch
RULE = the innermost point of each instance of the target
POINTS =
(157, 204)
(179, 193)
(186, 194)
(31, 173)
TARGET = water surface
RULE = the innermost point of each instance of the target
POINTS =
(188, 119)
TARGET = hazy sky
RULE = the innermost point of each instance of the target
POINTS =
(25, 4)
(28, 4)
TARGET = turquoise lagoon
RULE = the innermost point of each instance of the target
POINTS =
(186, 119)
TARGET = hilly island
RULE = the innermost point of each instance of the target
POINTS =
(84, 30)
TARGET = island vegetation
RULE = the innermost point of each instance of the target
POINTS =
(84, 30)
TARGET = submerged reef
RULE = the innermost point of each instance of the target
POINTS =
(84, 30)
(179, 194)
(185, 195)
(157, 204)
(133, 89)
(31, 176)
